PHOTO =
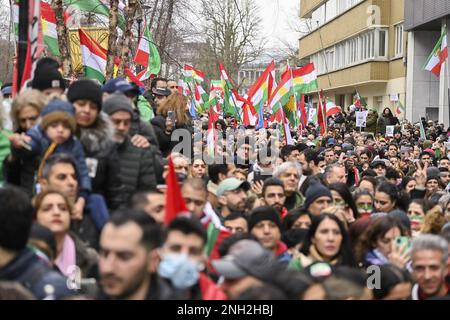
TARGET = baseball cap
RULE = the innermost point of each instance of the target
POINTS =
(247, 257)
(331, 141)
(117, 84)
(232, 184)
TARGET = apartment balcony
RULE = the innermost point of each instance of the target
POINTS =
(370, 72)
(308, 6)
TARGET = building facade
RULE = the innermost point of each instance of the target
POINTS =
(428, 94)
(357, 45)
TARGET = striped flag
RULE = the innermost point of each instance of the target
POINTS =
(282, 93)
(331, 108)
(93, 57)
(304, 78)
(400, 108)
(211, 135)
(192, 74)
(259, 92)
(97, 6)
(147, 55)
(438, 55)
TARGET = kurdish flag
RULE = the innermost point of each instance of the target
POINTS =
(190, 73)
(147, 55)
(439, 54)
(282, 93)
(259, 93)
(304, 78)
(48, 23)
(93, 57)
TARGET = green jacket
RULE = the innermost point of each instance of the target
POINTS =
(5, 150)
(145, 109)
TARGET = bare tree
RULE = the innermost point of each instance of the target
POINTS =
(63, 37)
(232, 29)
(112, 38)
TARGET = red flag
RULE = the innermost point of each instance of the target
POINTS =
(175, 204)
(321, 118)
(304, 118)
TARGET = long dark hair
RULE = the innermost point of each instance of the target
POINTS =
(400, 198)
(390, 115)
(345, 253)
(292, 216)
(345, 193)
(405, 182)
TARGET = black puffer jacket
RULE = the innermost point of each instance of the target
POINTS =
(102, 158)
(138, 171)
(165, 143)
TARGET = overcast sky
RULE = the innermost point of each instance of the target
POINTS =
(279, 18)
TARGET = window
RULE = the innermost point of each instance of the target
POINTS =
(369, 45)
(399, 40)
(382, 34)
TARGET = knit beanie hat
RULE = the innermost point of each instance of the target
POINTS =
(264, 213)
(58, 110)
(85, 89)
(433, 172)
(47, 78)
(316, 191)
(117, 102)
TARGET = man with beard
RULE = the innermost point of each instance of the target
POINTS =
(231, 194)
(273, 193)
(137, 165)
(265, 225)
(289, 173)
(128, 258)
(310, 162)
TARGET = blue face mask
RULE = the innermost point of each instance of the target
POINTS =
(182, 271)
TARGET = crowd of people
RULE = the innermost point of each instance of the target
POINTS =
(350, 214)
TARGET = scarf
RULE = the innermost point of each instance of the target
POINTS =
(67, 257)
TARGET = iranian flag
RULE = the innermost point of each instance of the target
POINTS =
(190, 73)
(93, 57)
(100, 7)
(147, 55)
(200, 96)
(331, 108)
(215, 230)
(439, 55)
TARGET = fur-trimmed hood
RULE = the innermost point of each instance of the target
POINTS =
(97, 140)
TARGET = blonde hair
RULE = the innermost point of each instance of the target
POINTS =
(26, 98)
(434, 221)
(175, 102)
